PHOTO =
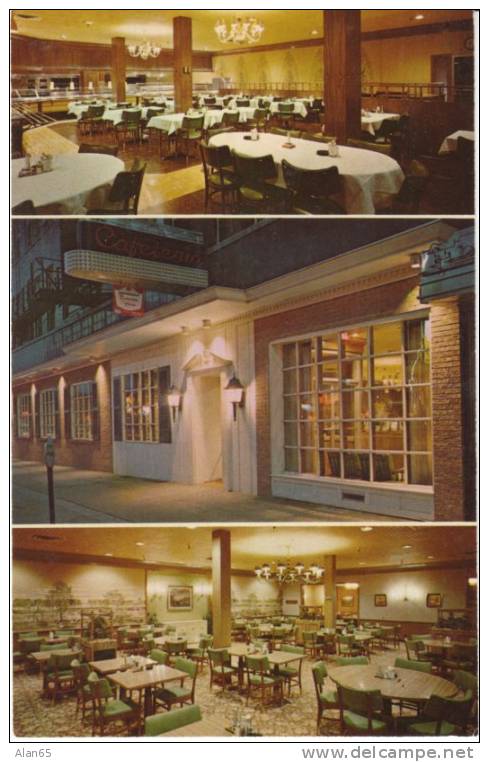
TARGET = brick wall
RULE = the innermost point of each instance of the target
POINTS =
(370, 304)
(96, 455)
(448, 442)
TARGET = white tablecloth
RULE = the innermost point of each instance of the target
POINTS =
(449, 145)
(77, 109)
(75, 181)
(115, 114)
(172, 122)
(299, 107)
(368, 177)
(372, 121)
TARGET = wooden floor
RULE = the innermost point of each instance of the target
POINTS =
(171, 186)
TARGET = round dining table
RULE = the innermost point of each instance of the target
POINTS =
(372, 120)
(449, 145)
(76, 181)
(369, 177)
(408, 685)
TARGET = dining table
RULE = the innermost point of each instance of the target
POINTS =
(372, 120)
(369, 177)
(276, 658)
(407, 685)
(74, 182)
(143, 681)
(449, 145)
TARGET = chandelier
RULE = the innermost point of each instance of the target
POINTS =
(286, 572)
(240, 31)
(145, 50)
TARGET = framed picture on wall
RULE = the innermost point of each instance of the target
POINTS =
(180, 598)
(380, 599)
(433, 600)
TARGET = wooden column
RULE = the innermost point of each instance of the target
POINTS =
(221, 587)
(342, 74)
(118, 64)
(329, 606)
(182, 63)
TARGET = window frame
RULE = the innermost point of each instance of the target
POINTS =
(73, 413)
(296, 451)
(28, 433)
(149, 431)
(53, 413)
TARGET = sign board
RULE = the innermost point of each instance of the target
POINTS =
(128, 302)
(184, 251)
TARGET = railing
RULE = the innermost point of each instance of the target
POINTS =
(423, 90)
(43, 278)
(31, 118)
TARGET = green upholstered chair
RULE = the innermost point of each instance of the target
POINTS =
(317, 137)
(82, 678)
(179, 694)
(175, 648)
(59, 678)
(189, 135)
(159, 656)
(219, 176)
(463, 656)
(291, 133)
(120, 716)
(199, 653)
(346, 645)
(312, 189)
(230, 119)
(123, 197)
(311, 643)
(347, 661)
(416, 650)
(129, 127)
(327, 700)
(292, 673)
(256, 191)
(384, 148)
(221, 669)
(466, 681)
(444, 716)
(259, 120)
(262, 680)
(158, 724)
(362, 712)
(53, 647)
(420, 666)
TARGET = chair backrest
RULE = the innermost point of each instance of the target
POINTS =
(360, 702)
(466, 151)
(209, 101)
(230, 117)
(193, 122)
(134, 117)
(151, 112)
(25, 207)
(279, 131)
(159, 656)
(453, 710)
(290, 649)
(346, 661)
(157, 724)
(309, 637)
(64, 633)
(465, 680)
(419, 666)
(101, 690)
(315, 183)
(216, 157)
(319, 675)
(260, 114)
(368, 146)
(127, 187)
(94, 148)
(95, 112)
(56, 647)
(186, 665)
(254, 169)
(243, 102)
(286, 108)
(218, 657)
(257, 665)
(206, 641)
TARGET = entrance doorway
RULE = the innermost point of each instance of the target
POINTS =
(207, 428)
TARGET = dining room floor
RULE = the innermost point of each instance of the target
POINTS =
(173, 186)
(35, 716)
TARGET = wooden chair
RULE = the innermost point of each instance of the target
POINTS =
(262, 680)
(327, 700)
(178, 694)
(219, 176)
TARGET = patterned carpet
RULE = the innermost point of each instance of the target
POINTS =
(38, 717)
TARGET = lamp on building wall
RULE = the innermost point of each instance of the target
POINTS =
(174, 400)
(234, 392)
(472, 581)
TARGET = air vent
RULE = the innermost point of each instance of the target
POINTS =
(355, 496)
(47, 537)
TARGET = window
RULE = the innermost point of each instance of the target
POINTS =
(82, 408)
(357, 404)
(47, 413)
(140, 409)
(24, 416)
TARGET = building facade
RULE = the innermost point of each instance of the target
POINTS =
(355, 380)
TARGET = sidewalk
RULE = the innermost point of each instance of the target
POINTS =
(95, 497)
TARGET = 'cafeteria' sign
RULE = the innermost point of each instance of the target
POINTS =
(128, 301)
(139, 245)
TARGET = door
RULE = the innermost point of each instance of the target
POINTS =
(207, 429)
(442, 73)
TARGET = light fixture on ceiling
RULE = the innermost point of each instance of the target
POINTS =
(351, 585)
(419, 17)
(144, 50)
(366, 529)
(140, 544)
(285, 572)
(407, 547)
(240, 31)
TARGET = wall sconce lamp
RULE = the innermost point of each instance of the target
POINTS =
(472, 581)
(185, 69)
(174, 400)
(235, 394)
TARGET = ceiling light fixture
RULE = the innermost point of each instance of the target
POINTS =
(240, 30)
(144, 50)
(366, 529)
(287, 572)
(419, 17)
